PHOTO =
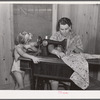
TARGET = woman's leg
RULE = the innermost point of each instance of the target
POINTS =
(19, 79)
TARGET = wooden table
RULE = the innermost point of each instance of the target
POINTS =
(50, 68)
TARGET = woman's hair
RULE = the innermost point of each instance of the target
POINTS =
(21, 37)
(63, 21)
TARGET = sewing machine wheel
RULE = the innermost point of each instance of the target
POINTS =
(45, 43)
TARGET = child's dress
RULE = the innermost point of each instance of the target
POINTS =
(16, 62)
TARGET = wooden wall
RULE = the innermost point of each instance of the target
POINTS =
(6, 44)
(97, 46)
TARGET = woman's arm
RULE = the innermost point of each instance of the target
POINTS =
(76, 46)
(77, 50)
(54, 51)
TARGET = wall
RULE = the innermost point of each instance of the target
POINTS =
(34, 18)
(97, 46)
(6, 44)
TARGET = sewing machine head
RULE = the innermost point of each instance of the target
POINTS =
(43, 44)
(47, 42)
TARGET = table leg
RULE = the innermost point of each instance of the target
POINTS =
(32, 77)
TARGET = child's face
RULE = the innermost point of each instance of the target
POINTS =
(65, 30)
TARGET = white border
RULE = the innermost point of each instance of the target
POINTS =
(33, 94)
(50, 2)
(20, 94)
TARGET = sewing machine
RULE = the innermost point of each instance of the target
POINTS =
(44, 43)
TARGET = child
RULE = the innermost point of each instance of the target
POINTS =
(24, 43)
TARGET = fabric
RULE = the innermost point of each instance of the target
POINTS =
(90, 56)
(79, 64)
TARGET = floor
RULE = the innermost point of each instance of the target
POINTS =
(94, 85)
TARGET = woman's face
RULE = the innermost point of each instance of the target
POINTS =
(65, 30)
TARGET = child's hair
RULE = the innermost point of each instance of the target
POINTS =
(63, 21)
(21, 37)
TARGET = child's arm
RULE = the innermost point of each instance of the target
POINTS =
(23, 54)
(31, 46)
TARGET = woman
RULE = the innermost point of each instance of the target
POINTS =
(74, 44)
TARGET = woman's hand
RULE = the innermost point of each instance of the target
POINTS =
(68, 52)
(60, 54)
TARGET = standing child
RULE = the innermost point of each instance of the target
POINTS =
(20, 49)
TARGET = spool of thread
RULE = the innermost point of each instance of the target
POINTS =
(46, 37)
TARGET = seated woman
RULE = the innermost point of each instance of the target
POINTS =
(73, 57)
(24, 43)
(74, 44)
